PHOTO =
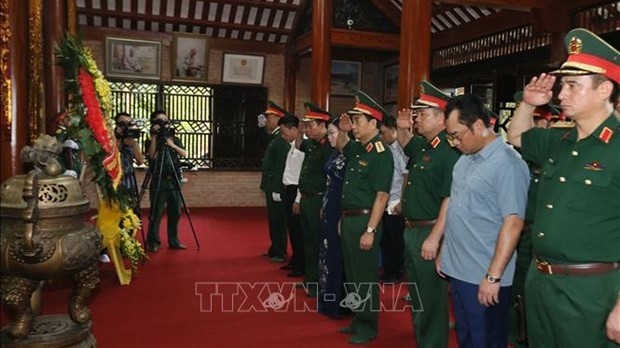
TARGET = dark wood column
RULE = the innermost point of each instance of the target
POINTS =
(54, 26)
(415, 38)
(291, 64)
(321, 52)
(15, 85)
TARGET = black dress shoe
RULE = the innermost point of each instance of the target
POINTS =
(152, 248)
(295, 274)
(178, 247)
(287, 267)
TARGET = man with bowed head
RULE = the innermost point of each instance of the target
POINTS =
(483, 224)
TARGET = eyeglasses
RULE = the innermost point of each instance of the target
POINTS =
(453, 137)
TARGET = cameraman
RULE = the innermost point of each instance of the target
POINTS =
(167, 193)
(127, 134)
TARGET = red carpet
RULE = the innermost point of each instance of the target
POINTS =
(162, 306)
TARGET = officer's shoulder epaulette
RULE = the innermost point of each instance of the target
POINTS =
(379, 146)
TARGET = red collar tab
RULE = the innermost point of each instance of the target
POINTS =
(606, 135)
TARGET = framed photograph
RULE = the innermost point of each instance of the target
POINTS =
(346, 77)
(390, 83)
(243, 68)
(189, 57)
(132, 58)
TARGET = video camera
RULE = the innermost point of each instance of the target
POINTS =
(127, 130)
(162, 129)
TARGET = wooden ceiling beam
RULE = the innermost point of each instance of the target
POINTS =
(189, 21)
(516, 5)
(389, 10)
(363, 40)
(500, 21)
(255, 3)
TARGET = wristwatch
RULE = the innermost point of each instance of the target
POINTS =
(370, 230)
(492, 279)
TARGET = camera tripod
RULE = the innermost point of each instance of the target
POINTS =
(166, 157)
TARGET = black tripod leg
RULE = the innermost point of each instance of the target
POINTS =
(178, 185)
(136, 208)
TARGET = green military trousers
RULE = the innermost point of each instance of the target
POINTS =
(362, 275)
(172, 199)
(276, 214)
(428, 291)
(569, 311)
(517, 331)
(310, 220)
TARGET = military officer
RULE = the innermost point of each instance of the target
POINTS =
(311, 187)
(517, 335)
(271, 181)
(424, 204)
(573, 286)
(365, 194)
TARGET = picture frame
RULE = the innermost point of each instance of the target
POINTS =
(390, 83)
(346, 77)
(128, 58)
(190, 55)
(245, 69)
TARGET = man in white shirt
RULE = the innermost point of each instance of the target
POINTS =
(292, 133)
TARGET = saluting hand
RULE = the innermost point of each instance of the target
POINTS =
(345, 124)
(405, 119)
(539, 90)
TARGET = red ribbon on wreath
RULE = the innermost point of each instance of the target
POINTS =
(95, 121)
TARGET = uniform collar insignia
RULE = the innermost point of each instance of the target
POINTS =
(379, 146)
(369, 147)
(435, 142)
(323, 140)
(595, 166)
(606, 134)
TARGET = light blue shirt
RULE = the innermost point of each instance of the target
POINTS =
(487, 187)
(400, 169)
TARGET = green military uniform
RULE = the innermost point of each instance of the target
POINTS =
(577, 217)
(271, 182)
(164, 192)
(428, 183)
(312, 181)
(369, 170)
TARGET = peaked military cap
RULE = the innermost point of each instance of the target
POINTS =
(313, 112)
(589, 54)
(364, 104)
(430, 97)
(275, 109)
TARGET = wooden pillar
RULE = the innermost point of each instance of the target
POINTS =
(14, 65)
(54, 26)
(321, 52)
(415, 46)
(290, 79)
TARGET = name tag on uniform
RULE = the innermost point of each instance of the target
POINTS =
(363, 164)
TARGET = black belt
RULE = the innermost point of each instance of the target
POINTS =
(356, 212)
(410, 223)
(576, 269)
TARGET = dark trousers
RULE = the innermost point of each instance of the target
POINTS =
(277, 226)
(311, 228)
(172, 200)
(392, 245)
(478, 326)
(294, 229)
